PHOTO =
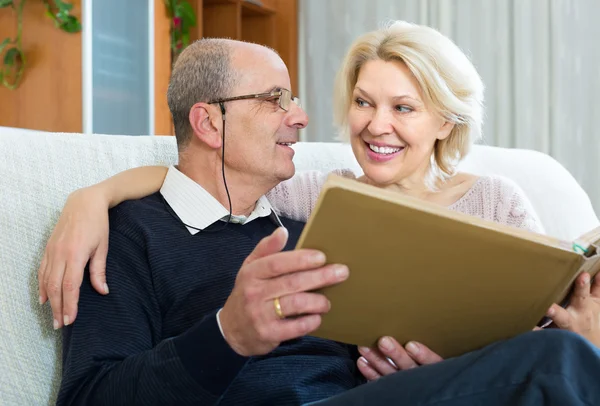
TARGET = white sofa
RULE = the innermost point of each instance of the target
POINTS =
(38, 170)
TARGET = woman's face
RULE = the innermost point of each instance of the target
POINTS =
(392, 132)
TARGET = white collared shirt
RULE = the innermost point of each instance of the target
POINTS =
(198, 208)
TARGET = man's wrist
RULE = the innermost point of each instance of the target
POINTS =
(225, 327)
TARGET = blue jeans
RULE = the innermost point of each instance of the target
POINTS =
(550, 367)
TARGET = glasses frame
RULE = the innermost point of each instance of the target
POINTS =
(283, 94)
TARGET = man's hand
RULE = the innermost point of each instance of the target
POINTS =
(390, 357)
(80, 234)
(582, 316)
(249, 318)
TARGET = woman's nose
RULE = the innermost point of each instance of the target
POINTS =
(381, 122)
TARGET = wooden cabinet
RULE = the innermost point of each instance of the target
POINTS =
(268, 22)
(273, 23)
(52, 95)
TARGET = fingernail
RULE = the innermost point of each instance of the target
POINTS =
(67, 320)
(341, 272)
(40, 300)
(283, 231)
(550, 311)
(363, 360)
(106, 288)
(586, 279)
(386, 344)
(364, 350)
(55, 324)
(318, 257)
(412, 348)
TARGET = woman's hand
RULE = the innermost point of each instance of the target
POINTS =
(582, 316)
(80, 234)
(390, 357)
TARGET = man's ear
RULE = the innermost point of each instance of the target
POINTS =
(445, 130)
(206, 120)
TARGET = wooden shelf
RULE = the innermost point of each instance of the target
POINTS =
(268, 22)
(259, 6)
(252, 8)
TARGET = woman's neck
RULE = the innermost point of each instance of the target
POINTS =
(414, 185)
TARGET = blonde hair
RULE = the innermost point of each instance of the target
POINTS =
(449, 83)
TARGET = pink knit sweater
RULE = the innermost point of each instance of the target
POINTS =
(493, 198)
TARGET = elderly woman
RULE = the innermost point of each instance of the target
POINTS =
(411, 105)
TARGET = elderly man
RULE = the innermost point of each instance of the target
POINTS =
(208, 304)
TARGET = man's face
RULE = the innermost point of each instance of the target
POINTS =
(258, 132)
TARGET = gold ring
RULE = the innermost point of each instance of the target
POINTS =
(278, 310)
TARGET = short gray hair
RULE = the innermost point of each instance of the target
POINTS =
(202, 73)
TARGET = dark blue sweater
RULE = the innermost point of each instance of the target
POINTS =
(154, 340)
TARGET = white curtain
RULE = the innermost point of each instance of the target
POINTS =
(538, 60)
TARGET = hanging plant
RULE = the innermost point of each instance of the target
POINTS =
(183, 18)
(12, 59)
(60, 13)
(11, 50)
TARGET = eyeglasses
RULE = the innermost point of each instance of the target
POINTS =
(284, 98)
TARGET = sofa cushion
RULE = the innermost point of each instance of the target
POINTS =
(38, 171)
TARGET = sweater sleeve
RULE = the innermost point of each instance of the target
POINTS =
(514, 208)
(114, 353)
(296, 198)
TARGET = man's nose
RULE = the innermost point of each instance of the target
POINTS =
(296, 116)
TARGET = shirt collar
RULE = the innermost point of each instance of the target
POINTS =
(198, 208)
